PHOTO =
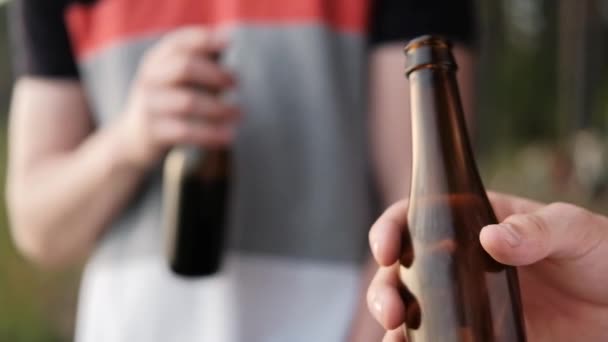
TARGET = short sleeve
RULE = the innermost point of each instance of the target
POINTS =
(39, 39)
(401, 20)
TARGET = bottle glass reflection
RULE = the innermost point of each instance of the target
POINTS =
(454, 290)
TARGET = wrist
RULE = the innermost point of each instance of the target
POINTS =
(123, 155)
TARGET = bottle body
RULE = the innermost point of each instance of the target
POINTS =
(196, 183)
(196, 193)
(455, 290)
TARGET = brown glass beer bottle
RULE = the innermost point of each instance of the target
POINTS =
(195, 191)
(196, 183)
(454, 291)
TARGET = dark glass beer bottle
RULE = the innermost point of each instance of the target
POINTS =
(195, 190)
(454, 290)
(195, 194)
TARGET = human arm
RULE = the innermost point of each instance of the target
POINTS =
(63, 182)
(67, 181)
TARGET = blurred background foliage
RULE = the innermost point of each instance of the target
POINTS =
(543, 99)
(541, 132)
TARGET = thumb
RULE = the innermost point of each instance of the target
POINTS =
(556, 231)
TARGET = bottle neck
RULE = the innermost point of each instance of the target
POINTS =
(442, 159)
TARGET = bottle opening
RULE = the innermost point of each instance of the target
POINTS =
(429, 51)
(428, 40)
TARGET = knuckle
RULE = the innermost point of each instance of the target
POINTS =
(374, 285)
(217, 108)
(536, 222)
(148, 66)
(200, 34)
(143, 73)
(193, 31)
(569, 212)
(562, 206)
(527, 222)
(185, 67)
(152, 55)
(369, 295)
(186, 104)
(172, 37)
(148, 57)
(182, 133)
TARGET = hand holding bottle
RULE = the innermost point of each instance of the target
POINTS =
(561, 252)
(174, 99)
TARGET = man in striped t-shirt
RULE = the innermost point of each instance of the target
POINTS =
(105, 87)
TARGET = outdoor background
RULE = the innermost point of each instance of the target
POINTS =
(541, 132)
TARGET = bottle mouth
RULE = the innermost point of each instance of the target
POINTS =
(428, 40)
(429, 52)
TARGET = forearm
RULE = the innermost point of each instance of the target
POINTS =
(61, 204)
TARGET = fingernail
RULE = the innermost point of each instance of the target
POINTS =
(510, 234)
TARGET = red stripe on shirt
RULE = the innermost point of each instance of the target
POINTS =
(93, 27)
